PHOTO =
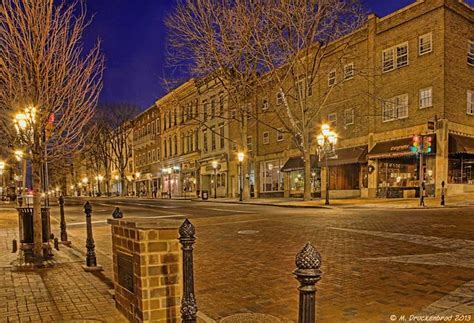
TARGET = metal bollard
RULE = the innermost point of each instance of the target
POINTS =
(91, 260)
(62, 225)
(308, 262)
(188, 303)
(56, 244)
(117, 214)
(14, 246)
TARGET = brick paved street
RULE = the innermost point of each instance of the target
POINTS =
(376, 262)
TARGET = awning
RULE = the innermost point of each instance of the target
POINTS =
(297, 163)
(461, 144)
(397, 148)
(345, 156)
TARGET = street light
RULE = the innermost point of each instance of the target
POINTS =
(214, 165)
(327, 140)
(240, 157)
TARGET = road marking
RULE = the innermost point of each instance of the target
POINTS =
(226, 210)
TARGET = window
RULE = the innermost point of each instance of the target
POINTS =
(233, 114)
(265, 105)
(426, 98)
(280, 135)
(149, 158)
(266, 138)
(395, 108)
(425, 44)
(157, 125)
(349, 71)
(213, 108)
(175, 116)
(221, 105)
(395, 57)
(221, 134)
(470, 52)
(348, 117)
(470, 102)
(175, 147)
(249, 143)
(279, 98)
(204, 140)
(303, 87)
(213, 138)
(205, 107)
(332, 119)
(332, 78)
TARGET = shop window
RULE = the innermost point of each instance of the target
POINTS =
(348, 71)
(266, 138)
(470, 52)
(270, 177)
(470, 102)
(348, 117)
(297, 180)
(332, 78)
(332, 119)
(461, 169)
(426, 98)
(425, 44)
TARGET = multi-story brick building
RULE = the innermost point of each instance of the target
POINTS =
(397, 74)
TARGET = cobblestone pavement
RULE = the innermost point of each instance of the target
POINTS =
(377, 264)
(63, 293)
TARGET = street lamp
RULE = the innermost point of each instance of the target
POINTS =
(240, 157)
(327, 140)
(214, 165)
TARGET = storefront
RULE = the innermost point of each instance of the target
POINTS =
(294, 176)
(271, 178)
(214, 176)
(461, 164)
(347, 172)
(398, 168)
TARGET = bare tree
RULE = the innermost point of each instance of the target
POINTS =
(47, 77)
(214, 39)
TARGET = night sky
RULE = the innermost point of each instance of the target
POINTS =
(133, 39)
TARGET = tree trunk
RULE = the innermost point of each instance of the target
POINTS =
(37, 224)
(307, 175)
(246, 163)
(124, 189)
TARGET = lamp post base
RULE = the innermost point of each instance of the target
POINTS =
(92, 268)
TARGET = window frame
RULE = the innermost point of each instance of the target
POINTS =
(395, 108)
(470, 103)
(332, 123)
(332, 80)
(266, 137)
(352, 112)
(395, 57)
(352, 74)
(420, 39)
(278, 137)
(420, 98)
(470, 52)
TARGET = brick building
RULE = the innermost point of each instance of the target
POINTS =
(408, 74)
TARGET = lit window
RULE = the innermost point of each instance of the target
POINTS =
(348, 117)
(349, 71)
(426, 98)
(332, 119)
(470, 102)
(332, 78)
(279, 135)
(470, 52)
(266, 137)
(425, 44)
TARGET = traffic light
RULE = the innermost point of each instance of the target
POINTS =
(427, 145)
(416, 145)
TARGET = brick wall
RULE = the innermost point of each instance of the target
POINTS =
(157, 261)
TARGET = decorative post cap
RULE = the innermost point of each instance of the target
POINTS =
(88, 207)
(308, 258)
(187, 230)
(117, 214)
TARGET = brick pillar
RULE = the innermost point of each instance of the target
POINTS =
(147, 269)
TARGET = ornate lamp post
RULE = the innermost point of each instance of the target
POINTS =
(327, 141)
(214, 165)
(240, 157)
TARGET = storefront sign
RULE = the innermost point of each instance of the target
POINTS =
(400, 148)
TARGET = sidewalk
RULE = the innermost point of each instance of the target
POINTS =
(408, 203)
(63, 293)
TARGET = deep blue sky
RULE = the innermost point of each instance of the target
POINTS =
(133, 39)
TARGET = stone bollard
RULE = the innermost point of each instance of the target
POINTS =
(64, 239)
(188, 303)
(91, 261)
(308, 262)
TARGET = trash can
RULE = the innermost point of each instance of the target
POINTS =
(205, 195)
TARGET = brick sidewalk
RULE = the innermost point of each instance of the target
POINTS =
(62, 293)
